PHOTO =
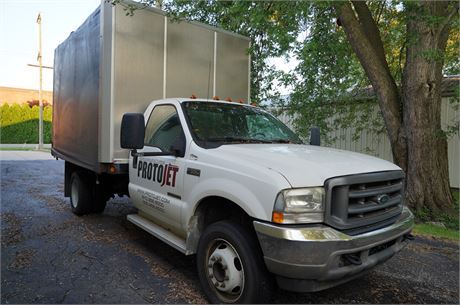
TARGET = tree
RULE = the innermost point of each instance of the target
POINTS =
(412, 115)
(398, 47)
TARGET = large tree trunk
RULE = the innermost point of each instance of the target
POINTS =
(427, 166)
(364, 37)
(413, 120)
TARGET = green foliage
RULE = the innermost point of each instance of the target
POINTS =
(450, 220)
(416, 10)
(19, 124)
(327, 71)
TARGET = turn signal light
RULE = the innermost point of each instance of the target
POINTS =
(112, 169)
(277, 217)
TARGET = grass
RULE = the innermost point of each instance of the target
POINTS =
(451, 231)
(427, 229)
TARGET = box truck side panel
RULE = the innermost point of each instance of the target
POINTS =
(232, 66)
(76, 93)
(190, 58)
(114, 64)
(138, 67)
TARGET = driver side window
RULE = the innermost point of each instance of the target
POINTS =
(163, 127)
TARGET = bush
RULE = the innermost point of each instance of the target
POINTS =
(19, 124)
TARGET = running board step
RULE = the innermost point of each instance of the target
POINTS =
(159, 232)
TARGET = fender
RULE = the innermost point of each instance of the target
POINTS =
(232, 190)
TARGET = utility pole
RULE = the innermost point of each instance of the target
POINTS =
(40, 101)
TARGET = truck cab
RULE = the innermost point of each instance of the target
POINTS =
(235, 186)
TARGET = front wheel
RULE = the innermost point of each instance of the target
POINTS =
(230, 265)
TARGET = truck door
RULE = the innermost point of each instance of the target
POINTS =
(157, 183)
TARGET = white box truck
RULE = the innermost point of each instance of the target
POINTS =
(223, 180)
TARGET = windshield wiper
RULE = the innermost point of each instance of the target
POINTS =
(237, 139)
(286, 141)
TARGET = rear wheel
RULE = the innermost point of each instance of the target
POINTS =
(230, 265)
(80, 194)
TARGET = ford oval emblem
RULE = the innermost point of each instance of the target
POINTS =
(382, 199)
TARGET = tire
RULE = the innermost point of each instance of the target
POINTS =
(80, 194)
(230, 265)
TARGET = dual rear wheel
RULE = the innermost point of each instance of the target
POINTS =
(85, 195)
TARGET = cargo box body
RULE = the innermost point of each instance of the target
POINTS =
(114, 64)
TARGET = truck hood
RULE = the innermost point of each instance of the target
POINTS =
(305, 165)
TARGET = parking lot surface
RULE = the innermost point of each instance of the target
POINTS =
(49, 255)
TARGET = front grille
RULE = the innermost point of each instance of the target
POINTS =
(365, 201)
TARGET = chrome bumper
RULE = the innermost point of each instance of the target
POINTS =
(312, 258)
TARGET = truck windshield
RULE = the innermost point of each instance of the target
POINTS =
(213, 124)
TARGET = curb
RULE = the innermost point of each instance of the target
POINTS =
(34, 146)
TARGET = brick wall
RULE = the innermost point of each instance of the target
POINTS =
(18, 95)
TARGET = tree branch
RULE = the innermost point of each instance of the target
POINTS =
(370, 28)
(445, 24)
(382, 81)
(380, 11)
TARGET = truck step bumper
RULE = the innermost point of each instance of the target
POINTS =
(312, 258)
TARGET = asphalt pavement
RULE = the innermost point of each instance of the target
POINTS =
(49, 255)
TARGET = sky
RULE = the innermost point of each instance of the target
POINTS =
(19, 37)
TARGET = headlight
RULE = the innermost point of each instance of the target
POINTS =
(304, 205)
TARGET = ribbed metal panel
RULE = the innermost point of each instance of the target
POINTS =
(379, 145)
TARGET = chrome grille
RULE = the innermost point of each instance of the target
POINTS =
(364, 201)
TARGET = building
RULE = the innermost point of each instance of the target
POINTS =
(10, 95)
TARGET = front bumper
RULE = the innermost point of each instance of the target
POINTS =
(312, 258)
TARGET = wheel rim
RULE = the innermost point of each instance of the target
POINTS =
(224, 270)
(74, 194)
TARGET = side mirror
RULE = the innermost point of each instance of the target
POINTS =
(178, 147)
(315, 136)
(132, 131)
